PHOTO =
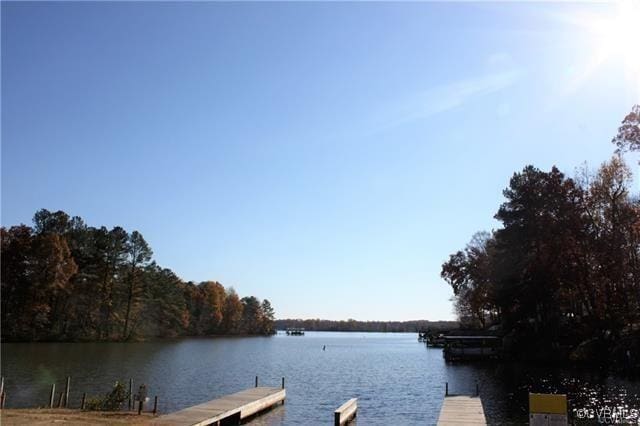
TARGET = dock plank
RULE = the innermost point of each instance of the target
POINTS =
(461, 410)
(241, 404)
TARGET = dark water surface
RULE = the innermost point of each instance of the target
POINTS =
(396, 379)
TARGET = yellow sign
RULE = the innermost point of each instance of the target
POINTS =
(547, 403)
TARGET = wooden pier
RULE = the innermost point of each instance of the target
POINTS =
(461, 410)
(230, 409)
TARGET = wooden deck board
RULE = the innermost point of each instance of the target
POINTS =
(461, 410)
(244, 404)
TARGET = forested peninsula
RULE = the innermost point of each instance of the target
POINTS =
(560, 279)
(63, 280)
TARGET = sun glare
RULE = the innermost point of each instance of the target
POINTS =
(614, 38)
(619, 37)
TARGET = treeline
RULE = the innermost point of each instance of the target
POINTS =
(64, 280)
(377, 326)
(561, 276)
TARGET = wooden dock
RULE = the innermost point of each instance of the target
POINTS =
(346, 412)
(230, 409)
(461, 410)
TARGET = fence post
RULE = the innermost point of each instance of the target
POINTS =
(66, 392)
(130, 394)
(53, 395)
(142, 395)
(3, 396)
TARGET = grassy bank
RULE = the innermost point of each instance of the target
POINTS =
(37, 416)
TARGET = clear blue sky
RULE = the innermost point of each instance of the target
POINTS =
(327, 156)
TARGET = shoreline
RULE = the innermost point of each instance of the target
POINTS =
(144, 340)
(46, 416)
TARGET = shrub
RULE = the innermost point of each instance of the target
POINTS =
(113, 401)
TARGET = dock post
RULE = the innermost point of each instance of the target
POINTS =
(60, 399)
(446, 389)
(53, 395)
(256, 381)
(66, 392)
(3, 398)
(155, 404)
(84, 400)
(130, 394)
(283, 383)
(477, 389)
(140, 406)
(2, 385)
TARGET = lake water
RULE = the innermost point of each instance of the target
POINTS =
(396, 379)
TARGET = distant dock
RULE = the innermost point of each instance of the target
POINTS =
(230, 409)
(295, 331)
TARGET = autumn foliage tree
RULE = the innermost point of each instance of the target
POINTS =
(64, 280)
(628, 136)
(561, 277)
